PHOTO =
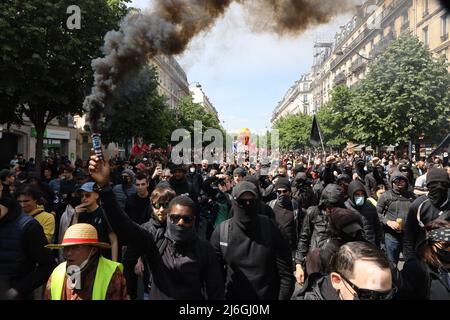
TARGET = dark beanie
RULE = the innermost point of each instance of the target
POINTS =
(283, 183)
(242, 187)
(437, 175)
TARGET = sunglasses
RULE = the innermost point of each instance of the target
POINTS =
(175, 218)
(367, 294)
(159, 205)
(243, 202)
(85, 195)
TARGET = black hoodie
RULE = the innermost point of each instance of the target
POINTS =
(368, 212)
(258, 259)
(421, 209)
(393, 205)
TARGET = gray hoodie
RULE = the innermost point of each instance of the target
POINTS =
(121, 193)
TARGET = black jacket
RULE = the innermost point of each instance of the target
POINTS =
(314, 233)
(132, 254)
(286, 223)
(393, 205)
(421, 209)
(186, 272)
(257, 263)
(25, 264)
(368, 212)
(424, 282)
(317, 287)
(183, 187)
(137, 208)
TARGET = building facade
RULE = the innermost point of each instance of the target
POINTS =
(173, 83)
(296, 100)
(60, 138)
(346, 58)
(198, 96)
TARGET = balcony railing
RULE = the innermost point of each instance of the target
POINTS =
(382, 44)
(358, 64)
(340, 78)
(405, 27)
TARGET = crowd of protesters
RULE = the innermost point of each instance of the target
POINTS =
(340, 226)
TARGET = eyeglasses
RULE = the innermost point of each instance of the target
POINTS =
(159, 205)
(282, 191)
(367, 294)
(175, 218)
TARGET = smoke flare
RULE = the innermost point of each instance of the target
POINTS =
(170, 26)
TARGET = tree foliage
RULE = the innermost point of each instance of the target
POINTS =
(334, 117)
(294, 131)
(139, 111)
(46, 67)
(405, 94)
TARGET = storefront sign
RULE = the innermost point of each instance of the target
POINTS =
(52, 134)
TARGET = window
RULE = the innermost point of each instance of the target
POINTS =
(425, 36)
(425, 8)
(444, 27)
(405, 18)
(305, 98)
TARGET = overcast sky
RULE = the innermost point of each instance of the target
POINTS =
(246, 74)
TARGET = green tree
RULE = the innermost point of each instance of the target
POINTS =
(46, 67)
(138, 110)
(294, 131)
(334, 117)
(188, 112)
(405, 94)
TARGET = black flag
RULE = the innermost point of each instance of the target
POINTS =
(316, 137)
(445, 144)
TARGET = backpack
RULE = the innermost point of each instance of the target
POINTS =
(224, 233)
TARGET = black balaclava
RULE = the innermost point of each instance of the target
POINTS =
(244, 215)
(438, 194)
(179, 234)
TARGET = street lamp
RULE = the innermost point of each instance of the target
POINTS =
(341, 52)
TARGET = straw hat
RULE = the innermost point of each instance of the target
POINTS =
(80, 234)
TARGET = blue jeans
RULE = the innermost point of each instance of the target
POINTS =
(393, 247)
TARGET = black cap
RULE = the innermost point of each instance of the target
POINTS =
(244, 186)
(437, 175)
(282, 183)
(180, 167)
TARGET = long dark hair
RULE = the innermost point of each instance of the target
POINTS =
(425, 251)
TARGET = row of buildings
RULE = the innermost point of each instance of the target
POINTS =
(345, 59)
(67, 136)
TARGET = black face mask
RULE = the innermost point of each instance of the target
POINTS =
(438, 194)
(284, 201)
(246, 210)
(179, 234)
(443, 255)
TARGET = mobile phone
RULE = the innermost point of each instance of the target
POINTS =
(97, 145)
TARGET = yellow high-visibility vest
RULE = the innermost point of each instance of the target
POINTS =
(104, 273)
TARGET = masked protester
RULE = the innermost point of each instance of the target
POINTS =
(256, 258)
(359, 271)
(126, 188)
(285, 210)
(134, 261)
(392, 209)
(427, 274)
(183, 266)
(435, 205)
(358, 203)
(86, 275)
(314, 232)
